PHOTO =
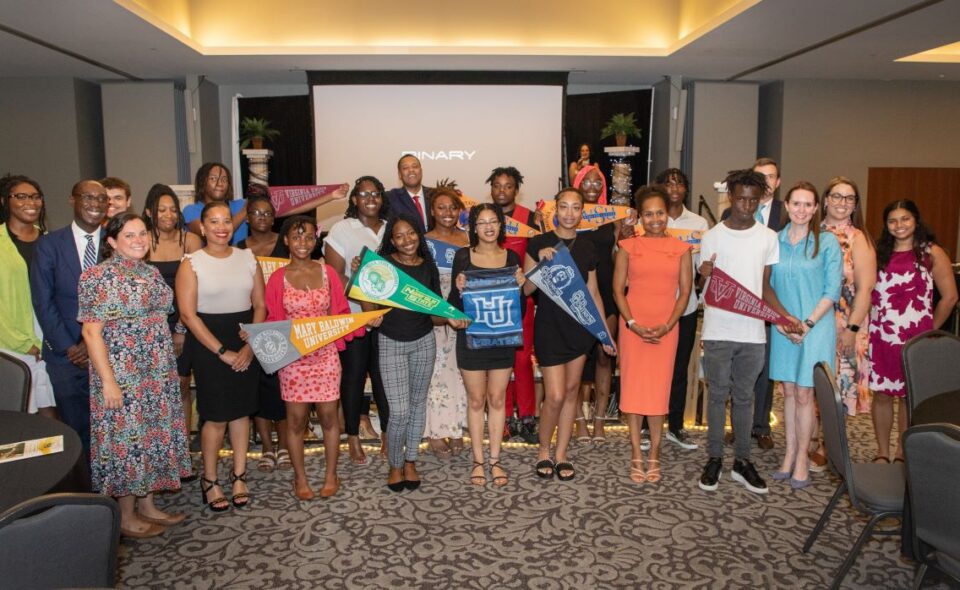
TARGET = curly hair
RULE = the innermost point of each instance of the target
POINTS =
(351, 212)
(650, 191)
(7, 182)
(674, 174)
(745, 177)
(298, 223)
(200, 181)
(506, 171)
(151, 210)
(475, 212)
(923, 237)
(387, 248)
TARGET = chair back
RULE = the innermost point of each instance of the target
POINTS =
(931, 366)
(933, 461)
(14, 383)
(60, 541)
(834, 421)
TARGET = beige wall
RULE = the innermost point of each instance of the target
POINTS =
(845, 127)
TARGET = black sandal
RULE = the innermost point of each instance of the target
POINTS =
(478, 480)
(564, 467)
(881, 459)
(243, 498)
(545, 469)
(212, 503)
(498, 480)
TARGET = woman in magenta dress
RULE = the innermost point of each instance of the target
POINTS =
(909, 264)
(307, 288)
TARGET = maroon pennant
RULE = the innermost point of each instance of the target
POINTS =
(725, 293)
(287, 198)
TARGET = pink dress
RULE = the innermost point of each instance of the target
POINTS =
(315, 377)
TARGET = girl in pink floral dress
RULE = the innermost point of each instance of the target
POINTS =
(307, 288)
(909, 264)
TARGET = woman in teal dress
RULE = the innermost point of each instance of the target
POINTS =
(137, 441)
(807, 280)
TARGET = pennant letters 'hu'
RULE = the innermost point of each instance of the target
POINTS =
(491, 299)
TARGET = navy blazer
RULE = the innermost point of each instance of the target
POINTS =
(54, 280)
(778, 215)
(401, 203)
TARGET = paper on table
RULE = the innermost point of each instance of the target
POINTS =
(31, 448)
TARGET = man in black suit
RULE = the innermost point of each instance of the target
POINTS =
(411, 198)
(773, 214)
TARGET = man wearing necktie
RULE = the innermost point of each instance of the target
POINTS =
(411, 198)
(61, 256)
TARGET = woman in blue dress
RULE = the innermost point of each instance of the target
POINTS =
(807, 280)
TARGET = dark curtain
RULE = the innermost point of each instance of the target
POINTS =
(293, 160)
(585, 116)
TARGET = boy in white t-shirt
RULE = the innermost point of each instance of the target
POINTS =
(733, 344)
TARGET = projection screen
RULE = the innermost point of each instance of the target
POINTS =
(459, 132)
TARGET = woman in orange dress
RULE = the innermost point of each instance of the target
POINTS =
(660, 267)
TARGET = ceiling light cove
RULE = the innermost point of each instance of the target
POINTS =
(949, 54)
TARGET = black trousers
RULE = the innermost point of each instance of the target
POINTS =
(678, 388)
(358, 360)
(763, 394)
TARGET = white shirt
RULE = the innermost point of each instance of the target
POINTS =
(690, 220)
(80, 240)
(423, 205)
(224, 285)
(347, 238)
(742, 254)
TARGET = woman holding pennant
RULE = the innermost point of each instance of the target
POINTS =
(446, 398)
(561, 344)
(306, 288)
(407, 348)
(486, 371)
(660, 268)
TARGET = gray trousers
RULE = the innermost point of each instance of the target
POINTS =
(731, 369)
(406, 368)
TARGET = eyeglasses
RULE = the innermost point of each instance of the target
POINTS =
(592, 183)
(490, 222)
(261, 213)
(27, 196)
(369, 194)
(837, 198)
(92, 198)
(218, 179)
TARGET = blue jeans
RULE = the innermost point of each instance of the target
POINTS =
(731, 369)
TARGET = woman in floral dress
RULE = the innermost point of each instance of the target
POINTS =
(909, 264)
(446, 398)
(138, 445)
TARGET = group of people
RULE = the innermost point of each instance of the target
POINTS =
(116, 311)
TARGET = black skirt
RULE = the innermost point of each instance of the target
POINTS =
(222, 393)
(483, 359)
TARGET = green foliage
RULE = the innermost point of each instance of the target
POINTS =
(625, 123)
(255, 127)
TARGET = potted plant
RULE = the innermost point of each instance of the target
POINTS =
(253, 130)
(621, 125)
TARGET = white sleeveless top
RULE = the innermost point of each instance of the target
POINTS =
(224, 285)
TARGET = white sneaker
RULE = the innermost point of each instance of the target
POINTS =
(644, 440)
(681, 439)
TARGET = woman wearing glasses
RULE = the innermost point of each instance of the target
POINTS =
(362, 226)
(22, 219)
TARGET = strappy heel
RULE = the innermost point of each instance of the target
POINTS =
(636, 471)
(498, 480)
(653, 473)
(243, 498)
(478, 480)
(212, 504)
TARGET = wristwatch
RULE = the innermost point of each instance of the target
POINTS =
(631, 322)
(853, 328)
(221, 350)
(809, 323)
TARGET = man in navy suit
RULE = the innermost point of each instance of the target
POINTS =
(411, 198)
(773, 214)
(54, 276)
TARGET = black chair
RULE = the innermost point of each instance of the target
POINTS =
(933, 462)
(875, 489)
(931, 366)
(14, 383)
(60, 541)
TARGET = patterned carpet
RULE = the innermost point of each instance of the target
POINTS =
(599, 531)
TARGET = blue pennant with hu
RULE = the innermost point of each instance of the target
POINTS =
(442, 253)
(560, 280)
(491, 300)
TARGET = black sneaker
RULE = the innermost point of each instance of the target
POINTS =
(711, 474)
(680, 438)
(528, 431)
(744, 472)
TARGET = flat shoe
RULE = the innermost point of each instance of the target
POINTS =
(170, 520)
(541, 469)
(781, 475)
(326, 492)
(559, 467)
(799, 484)
(267, 462)
(304, 494)
(283, 460)
(152, 531)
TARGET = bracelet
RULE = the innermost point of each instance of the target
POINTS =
(221, 350)
(631, 322)
(810, 323)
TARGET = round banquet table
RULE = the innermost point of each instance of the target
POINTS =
(28, 478)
